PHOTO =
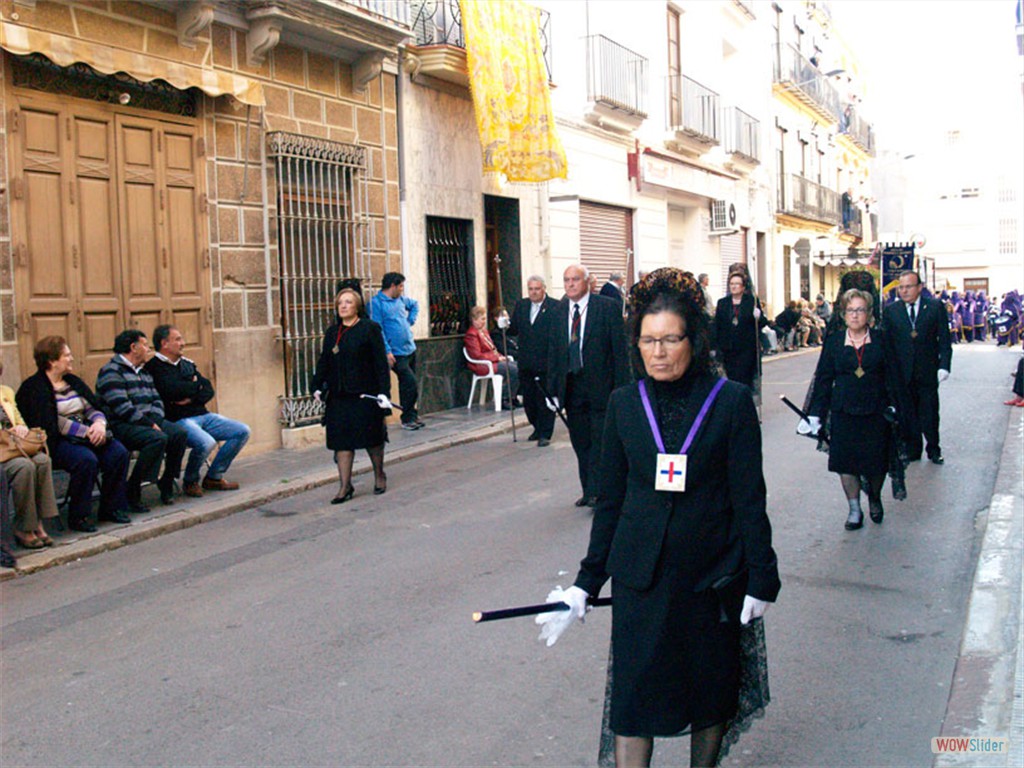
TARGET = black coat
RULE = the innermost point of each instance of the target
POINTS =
(180, 382)
(38, 405)
(722, 511)
(920, 358)
(611, 291)
(532, 338)
(837, 388)
(362, 368)
(605, 363)
(742, 337)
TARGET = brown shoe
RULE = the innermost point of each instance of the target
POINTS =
(193, 489)
(219, 485)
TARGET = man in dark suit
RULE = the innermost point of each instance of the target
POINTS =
(587, 359)
(530, 327)
(919, 330)
(613, 289)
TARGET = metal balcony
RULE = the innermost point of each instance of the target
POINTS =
(616, 76)
(852, 223)
(397, 12)
(797, 76)
(694, 111)
(808, 200)
(439, 22)
(858, 130)
(742, 135)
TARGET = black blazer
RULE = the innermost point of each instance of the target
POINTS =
(605, 363)
(730, 338)
(838, 388)
(38, 404)
(923, 356)
(722, 512)
(611, 291)
(361, 365)
(532, 338)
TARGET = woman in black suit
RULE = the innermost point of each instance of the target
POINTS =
(688, 564)
(353, 363)
(738, 322)
(855, 388)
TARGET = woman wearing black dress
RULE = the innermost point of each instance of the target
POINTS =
(854, 388)
(738, 320)
(688, 564)
(353, 363)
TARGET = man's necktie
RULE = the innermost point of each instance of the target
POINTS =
(575, 350)
(913, 315)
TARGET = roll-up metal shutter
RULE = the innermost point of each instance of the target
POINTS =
(606, 240)
(733, 251)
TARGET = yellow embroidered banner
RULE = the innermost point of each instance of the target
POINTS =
(509, 83)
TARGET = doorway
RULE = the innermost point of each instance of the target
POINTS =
(504, 273)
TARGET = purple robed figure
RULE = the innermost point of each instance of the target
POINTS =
(1008, 321)
(980, 316)
(967, 316)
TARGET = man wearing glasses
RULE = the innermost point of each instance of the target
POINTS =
(920, 333)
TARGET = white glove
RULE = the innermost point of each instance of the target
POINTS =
(943, 375)
(503, 321)
(553, 624)
(316, 395)
(809, 426)
(551, 403)
(757, 313)
(383, 402)
(752, 609)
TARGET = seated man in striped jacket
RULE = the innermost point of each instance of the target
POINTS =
(137, 418)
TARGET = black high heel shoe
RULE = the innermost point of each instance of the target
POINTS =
(875, 510)
(342, 498)
(379, 489)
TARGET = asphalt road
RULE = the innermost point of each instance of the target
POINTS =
(305, 634)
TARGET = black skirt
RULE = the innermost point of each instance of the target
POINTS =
(859, 445)
(354, 422)
(677, 665)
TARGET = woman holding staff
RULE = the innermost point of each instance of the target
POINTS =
(681, 529)
(353, 363)
(738, 321)
(855, 388)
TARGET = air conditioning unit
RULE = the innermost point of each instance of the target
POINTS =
(723, 217)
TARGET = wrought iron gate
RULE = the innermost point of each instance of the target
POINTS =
(322, 236)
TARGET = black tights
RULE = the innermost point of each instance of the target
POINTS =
(345, 459)
(635, 751)
(852, 485)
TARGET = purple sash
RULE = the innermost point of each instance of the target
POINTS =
(696, 424)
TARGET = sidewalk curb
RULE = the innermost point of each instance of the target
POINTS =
(215, 509)
(981, 698)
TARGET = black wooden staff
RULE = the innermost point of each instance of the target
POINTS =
(533, 610)
(799, 412)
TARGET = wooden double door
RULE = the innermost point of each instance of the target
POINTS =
(108, 228)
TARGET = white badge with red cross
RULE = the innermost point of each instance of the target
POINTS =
(671, 475)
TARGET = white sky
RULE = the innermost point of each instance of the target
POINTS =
(936, 64)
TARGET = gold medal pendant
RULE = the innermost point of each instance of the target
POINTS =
(859, 372)
(735, 321)
(334, 349)
(913, 334)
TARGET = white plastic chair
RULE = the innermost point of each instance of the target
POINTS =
(494, 377)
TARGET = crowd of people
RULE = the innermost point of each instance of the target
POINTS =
(148, 401)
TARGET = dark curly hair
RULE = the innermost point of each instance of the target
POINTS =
(671, 290)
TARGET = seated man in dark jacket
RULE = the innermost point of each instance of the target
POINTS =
(137, 418)
(185, 393)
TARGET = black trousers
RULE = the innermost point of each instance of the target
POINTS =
(541, 418)
(167, 443)
(405, 372)
(925, 399)
(586, 427)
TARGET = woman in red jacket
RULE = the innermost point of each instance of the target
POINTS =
(479, 346)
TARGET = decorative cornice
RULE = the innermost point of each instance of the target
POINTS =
(193, 18)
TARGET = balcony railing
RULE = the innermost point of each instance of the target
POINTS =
(742, 134)
(616, 76)
(694, 109)
(852, 222)
(809, 200)
(858, 130)
(439, 22)
(798, 76)
(388, 9)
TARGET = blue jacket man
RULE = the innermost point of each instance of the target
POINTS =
(396, 314)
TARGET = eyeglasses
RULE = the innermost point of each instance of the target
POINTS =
(856, 310)
(667, 342)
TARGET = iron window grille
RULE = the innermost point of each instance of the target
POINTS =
(322, 237)
(450, 280)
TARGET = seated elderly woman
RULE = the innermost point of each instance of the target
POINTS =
(30, 479)
(76, 432)
(479, 346)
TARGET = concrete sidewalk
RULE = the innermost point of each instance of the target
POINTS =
(269, 476)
